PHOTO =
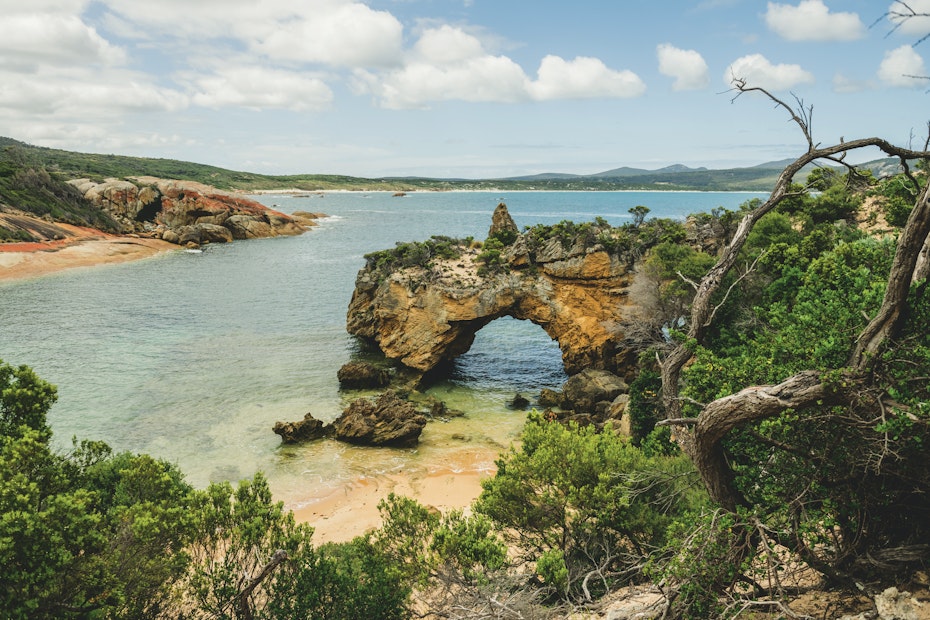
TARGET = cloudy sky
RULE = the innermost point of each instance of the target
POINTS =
(464, 88)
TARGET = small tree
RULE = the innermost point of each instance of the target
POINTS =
(852, 391)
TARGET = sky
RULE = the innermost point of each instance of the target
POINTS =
(458, 88)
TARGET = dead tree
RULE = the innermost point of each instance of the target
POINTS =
(700, 436)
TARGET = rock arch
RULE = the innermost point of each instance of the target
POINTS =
(423, 315)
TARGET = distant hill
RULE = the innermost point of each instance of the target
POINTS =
(68, 165)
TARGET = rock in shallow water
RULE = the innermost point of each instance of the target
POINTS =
(387, 421)
(307, 429)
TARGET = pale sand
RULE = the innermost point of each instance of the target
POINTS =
(352, 511)
(19, 261)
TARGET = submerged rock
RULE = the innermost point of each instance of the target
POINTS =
(519, 401)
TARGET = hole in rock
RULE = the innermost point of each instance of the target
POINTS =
(510, 356)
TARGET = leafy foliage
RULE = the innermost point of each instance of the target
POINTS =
(578, 501)
(96, 534)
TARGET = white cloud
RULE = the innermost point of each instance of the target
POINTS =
(812, 20)
(447, 64)
(688, 67)
(261, 88)
(757, 71)
(446, 45)
(583, 78)
(84, 94)
(30, 39)
(911, 18)
(341, 33)
(481, 79)
(351, 35)
(899, 67)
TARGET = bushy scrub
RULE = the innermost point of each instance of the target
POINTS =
(414, 254)
(93, 534)
(831, 479)
(586, 507)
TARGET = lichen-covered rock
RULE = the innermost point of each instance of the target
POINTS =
(387, 421)
(139, 203)
(307, 429)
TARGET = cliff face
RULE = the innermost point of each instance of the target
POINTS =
(423, 315)
(186, 212)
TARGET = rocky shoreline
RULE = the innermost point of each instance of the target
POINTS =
(187, 213)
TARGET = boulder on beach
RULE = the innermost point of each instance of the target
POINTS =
(583, 391)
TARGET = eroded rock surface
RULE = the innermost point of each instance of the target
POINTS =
(424, 315)
(362, 375)
(186, 212)
(307, 429)
(387, 421)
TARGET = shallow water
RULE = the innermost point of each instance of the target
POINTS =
(192, 357)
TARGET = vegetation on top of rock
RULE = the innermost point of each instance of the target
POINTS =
(414, 254)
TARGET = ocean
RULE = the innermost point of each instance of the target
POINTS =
(192, 357)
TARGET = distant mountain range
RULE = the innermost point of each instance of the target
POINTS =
(14, 154)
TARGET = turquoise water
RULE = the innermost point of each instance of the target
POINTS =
(192, 357)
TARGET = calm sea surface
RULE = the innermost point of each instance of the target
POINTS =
(193, 357)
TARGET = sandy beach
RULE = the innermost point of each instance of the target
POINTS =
(20, 261)
(352, 511)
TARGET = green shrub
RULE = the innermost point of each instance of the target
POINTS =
(491, 257)
(413, 254)
(584, 500)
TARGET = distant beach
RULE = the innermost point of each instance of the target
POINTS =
(32, 260)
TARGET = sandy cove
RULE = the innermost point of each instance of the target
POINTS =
(86, 248)
(338, 517)
(353, 510)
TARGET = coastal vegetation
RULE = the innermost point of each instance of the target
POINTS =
(26, 184)
(831, 492)
(779, 435)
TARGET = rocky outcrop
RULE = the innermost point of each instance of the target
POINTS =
(501, 222)
(186, 212)
(585, 390)
(575, 289)
(387, 421)
(307, 429)
(362, 375)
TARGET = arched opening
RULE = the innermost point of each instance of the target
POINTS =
(510, 356)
